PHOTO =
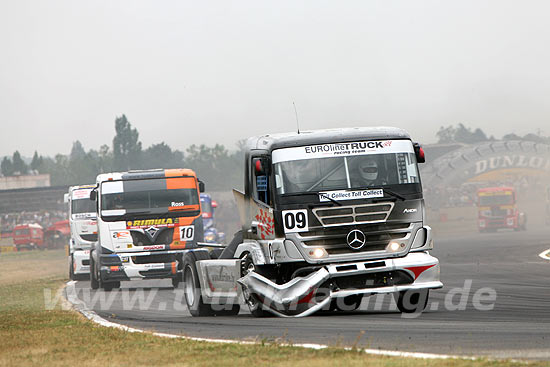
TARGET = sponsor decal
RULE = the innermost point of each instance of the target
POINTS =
(342, 149)
(265, 218)
(351, 195)
(81, 194)
(146, 223)
(226, 277)
(154, 247)
(122, 235)
(411, 210)
(177, 203)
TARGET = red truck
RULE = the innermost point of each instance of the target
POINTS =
(57, 235)
(497, 208)
(28, 236)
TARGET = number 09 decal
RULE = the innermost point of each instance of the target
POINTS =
(295, 220)
(187, 233)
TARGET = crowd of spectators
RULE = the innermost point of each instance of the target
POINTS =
(44, 218)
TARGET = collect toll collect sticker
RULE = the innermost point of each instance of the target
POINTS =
(351, 195)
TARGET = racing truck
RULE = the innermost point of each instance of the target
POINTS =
(328, 217)
(83, 224)
(145, 221)
(497, 208)
(211, 233)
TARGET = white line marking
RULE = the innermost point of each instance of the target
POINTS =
(78, 305)
(545, 254)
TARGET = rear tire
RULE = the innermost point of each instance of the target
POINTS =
(412, 301)
(192, 290)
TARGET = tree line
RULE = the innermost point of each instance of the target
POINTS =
(466, 135)
(219, 168)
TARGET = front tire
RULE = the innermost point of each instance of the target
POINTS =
(412, 301)
(192, 290)
(94, 281)
(71, 269)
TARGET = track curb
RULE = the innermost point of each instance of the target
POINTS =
(72, 302)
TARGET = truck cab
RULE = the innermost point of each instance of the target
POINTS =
(146, 219)
(28, 236)
(83, 229)
(211, 233)
(327, 216)
(497, 208)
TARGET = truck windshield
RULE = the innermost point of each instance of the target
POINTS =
(333, 167)
(502, 199)
(80, 206)
(156, 196)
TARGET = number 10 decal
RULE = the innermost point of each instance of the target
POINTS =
(295, 220)
(187, 233)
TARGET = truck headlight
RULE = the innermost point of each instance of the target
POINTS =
(395, 246)
(210, 238)
(318, 253)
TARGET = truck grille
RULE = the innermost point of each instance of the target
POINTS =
(333, 240)
(354, 214)
(163, 237)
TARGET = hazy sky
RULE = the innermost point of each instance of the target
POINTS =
(209, 72)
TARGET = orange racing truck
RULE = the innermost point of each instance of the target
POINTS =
(497, 208)
(145, 219)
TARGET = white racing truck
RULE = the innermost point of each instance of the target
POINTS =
(146, 219)
(328, 217)
(83, 223)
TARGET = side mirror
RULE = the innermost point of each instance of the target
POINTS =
(201, 186)
(66, 198)
(93, 195)
(214, 204)
(419, 152)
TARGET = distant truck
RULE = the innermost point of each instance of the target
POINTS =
(146, 220)
(211, 233)
(83, 227)
(497, 208)
(28, 236)
(57, 235)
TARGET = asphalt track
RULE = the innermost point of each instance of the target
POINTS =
(518, 326)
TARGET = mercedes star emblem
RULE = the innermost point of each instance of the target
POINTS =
(356, 239)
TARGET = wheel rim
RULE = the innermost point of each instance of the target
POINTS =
(189, 288)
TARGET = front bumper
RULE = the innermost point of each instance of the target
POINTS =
(303, 296)
(81, 262)
(140, 265)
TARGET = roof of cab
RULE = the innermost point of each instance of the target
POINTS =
(326, 136)
(146, 174)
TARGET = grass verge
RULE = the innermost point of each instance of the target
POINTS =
(32, 335)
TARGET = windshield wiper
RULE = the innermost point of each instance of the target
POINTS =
(394, 194)
(316, 194)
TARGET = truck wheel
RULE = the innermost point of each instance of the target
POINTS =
(109, 286)
(71, 269)
(253, 302)
(412, 301)
(94, 282)
(192, 291)
(349, 303)
(233, 311)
